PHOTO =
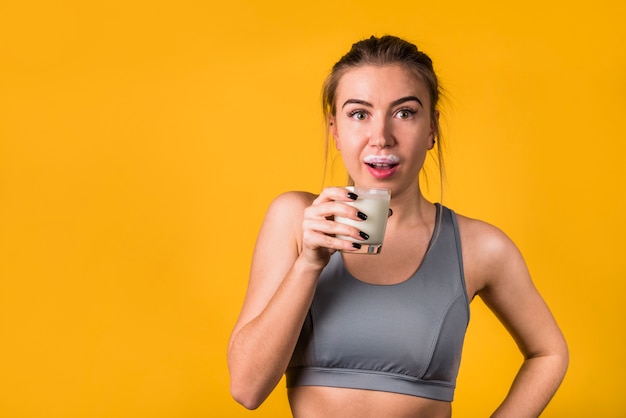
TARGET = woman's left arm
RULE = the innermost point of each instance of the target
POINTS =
(503, 282)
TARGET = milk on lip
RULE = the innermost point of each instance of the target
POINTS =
(376, 206)
(381, 159)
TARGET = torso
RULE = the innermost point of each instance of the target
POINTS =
(319, 401)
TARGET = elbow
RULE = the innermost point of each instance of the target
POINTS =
(245, 390)
(245, 396)
(562, 352)
(564, 357)
(249, 386)
(562, 365)
(559, 356)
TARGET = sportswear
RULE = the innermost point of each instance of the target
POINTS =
(404, 338)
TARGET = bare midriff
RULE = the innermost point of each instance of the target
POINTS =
(325, 402)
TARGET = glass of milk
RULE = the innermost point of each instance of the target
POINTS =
(374, 203)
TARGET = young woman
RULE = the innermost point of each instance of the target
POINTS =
(381, 335)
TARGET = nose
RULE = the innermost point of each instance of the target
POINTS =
(381, 135)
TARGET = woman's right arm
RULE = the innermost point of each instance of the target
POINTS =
(293, 246)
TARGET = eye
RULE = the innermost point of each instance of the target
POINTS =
(358, 115)
(405, 113)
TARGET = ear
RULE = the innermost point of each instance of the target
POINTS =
(333, 130)
(434, 130)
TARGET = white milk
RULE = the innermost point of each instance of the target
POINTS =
(375, 204)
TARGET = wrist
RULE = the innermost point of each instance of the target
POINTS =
(305, 267)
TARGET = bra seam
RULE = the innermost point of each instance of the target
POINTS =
(437, 335)
(409, 378)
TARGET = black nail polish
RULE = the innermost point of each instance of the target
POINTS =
(356, 245)
(361, 215)
(353, 196)
(363, 235)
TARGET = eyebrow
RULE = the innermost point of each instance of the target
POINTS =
(394, 103)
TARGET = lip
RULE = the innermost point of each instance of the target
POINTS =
(381, 173)
(381, 159)
(381, 166)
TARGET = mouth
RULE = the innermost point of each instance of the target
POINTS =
(381, 166)
(382, 161)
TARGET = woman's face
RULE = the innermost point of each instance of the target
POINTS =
(382, 125)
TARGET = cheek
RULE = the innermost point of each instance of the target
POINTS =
(343, 137)
(349, 148)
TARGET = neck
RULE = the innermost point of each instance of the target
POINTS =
(410, 207)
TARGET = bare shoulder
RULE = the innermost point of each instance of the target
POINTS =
(488, 253)
(289, 201)
(282, 225)
(483, 236)
(287, 209)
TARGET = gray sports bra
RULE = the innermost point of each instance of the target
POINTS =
(404, 338)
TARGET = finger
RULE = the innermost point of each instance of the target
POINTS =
(330, 209)
(332, 228)
(316, 241)
(335, 194)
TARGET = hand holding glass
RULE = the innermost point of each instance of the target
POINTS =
(374, 203)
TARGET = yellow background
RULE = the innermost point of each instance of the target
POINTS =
(141, 142)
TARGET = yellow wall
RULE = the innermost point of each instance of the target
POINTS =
(140, 143)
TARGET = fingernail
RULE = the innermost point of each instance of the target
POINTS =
(390, 212)
(353, 196)
(363, 235)
(356, 245)
(361, 215)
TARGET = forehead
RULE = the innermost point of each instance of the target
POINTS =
(381, 83)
